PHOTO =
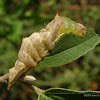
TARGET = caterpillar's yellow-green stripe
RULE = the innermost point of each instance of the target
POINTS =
(71, 26)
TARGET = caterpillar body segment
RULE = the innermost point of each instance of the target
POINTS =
(68, 26)
(47, 39)
(28, 43)
(35, 47)
(37, 44)
(16, 72)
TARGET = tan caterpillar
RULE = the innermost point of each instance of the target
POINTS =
(35, 47)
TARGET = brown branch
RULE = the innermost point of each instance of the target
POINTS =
(24, 81)
(26, 78)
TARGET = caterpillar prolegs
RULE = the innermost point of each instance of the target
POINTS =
(35, 47)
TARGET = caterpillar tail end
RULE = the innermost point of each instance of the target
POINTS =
(16, 72)
(12, 74)
(9, 86)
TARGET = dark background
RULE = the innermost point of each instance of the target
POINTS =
(20, 18)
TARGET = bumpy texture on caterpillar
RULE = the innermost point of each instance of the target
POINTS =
(35, 47)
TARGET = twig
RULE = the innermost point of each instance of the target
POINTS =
(24, 80)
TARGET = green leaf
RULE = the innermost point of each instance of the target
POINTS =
(67, 94)
(44, 97)
(68, 48)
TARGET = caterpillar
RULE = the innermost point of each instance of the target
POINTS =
(35, 47)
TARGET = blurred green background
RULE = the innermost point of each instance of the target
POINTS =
(20, 18)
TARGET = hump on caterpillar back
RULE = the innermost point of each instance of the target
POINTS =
(16, 72)
(54, 25)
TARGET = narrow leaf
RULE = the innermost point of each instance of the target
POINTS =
(68, 48)
(67, 94)
(44, 97)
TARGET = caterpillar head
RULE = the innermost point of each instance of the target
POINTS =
(81, 29)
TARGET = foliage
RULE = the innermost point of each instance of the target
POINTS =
(19, 18)
(63, 53)
(63, 94)
(69, 48)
